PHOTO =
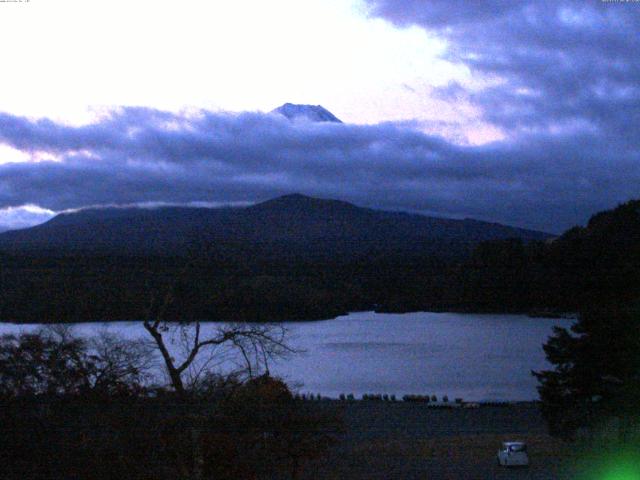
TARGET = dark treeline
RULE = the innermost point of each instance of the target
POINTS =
(86, 408)
(42, 288)
(592, 390)
(239, 283)
(584, 266)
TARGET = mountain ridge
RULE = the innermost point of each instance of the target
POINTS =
(293, 218)
(258, 266)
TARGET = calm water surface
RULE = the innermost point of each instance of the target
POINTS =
(476, 357)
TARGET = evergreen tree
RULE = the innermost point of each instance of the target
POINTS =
(596, 375)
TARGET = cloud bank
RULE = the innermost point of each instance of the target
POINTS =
(142, 155)
(563, 64)
(560, 79)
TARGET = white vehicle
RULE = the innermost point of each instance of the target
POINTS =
(513, 454)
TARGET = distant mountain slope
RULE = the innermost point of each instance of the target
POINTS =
(315, 113)
(288, 225)
(296, 257)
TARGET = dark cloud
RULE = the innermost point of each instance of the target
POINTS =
(140, 155)
(437, 14)
(566, 90)
(564, 64)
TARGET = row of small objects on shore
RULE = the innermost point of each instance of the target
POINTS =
(429, 400)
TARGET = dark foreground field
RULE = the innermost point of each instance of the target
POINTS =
(385, 440)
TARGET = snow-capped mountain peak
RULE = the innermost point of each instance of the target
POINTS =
(315, 113)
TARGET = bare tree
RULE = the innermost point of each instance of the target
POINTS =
(121, 361)
(188, 352)
(53, 361)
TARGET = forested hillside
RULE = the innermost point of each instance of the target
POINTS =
(292, 257)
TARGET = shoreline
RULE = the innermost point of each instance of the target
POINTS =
(397, 354)
(539, 314)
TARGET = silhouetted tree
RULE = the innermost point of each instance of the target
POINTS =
(53, 362)
(596, 375)
(187, 351)
(255, 345)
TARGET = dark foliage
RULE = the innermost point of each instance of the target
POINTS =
(596, 375)
(62, 418)
(251, 436)
(78, 437)
(261, 431)
(584, 266)
(52, 363)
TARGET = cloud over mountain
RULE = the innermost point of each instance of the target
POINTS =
(143, 155)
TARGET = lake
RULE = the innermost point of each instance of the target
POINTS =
(478, 357)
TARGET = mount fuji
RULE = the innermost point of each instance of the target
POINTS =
(314, 113)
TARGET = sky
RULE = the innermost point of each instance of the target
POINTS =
(520, 112)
